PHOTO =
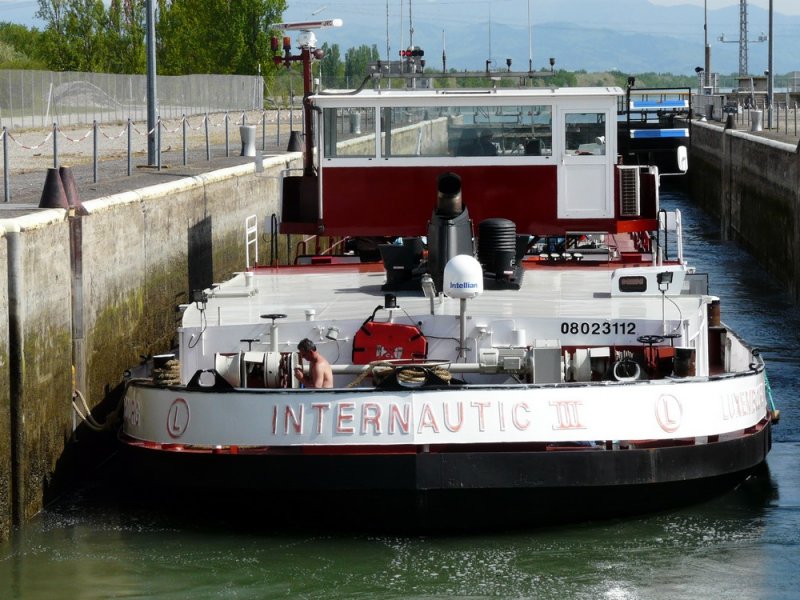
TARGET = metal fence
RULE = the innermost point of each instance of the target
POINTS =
(184, 139)
(783, 120)
(751, 112)
(39, 98)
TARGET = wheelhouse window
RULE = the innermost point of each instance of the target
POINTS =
(505, 131)
(414, 131)
(431, 131)
(467, 131)
(349, 132)
(585, 134)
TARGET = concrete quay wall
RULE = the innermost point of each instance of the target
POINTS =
(82, 298)
(5, 398)
(753, 185)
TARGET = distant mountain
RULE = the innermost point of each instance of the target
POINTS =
(628, 35)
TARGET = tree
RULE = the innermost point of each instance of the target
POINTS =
(356, 62)
(215, 36)
(193, 36)
(125, 32)
(23, 40)
(55, 45)
(331, 66)
(85, 26)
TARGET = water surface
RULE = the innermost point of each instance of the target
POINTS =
(744, 544)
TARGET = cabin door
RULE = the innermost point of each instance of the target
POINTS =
(584, 181)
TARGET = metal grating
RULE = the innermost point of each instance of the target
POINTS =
(629, 191)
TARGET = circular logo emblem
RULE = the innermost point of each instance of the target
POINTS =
(177, 418)
(668, 413)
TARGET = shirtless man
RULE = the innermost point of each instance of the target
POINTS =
(320, 374)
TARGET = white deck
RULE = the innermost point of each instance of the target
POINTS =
(346, 293)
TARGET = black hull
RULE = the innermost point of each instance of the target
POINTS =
(455, 489)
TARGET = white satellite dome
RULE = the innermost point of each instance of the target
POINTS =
(463, 277)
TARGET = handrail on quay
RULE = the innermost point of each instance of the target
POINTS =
(26, 151)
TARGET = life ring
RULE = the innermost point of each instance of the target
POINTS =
(627, 374)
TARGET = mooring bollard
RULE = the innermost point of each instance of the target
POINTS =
(248, 134)
(755, 120)
(295, 142)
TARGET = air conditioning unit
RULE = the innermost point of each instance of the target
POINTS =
(629, 191)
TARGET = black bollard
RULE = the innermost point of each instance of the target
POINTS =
(295, 142)
(53, 194)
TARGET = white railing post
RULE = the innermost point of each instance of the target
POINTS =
(251, 239)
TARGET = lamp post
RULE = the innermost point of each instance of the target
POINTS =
(530, 41)
(700, 76)
(707, 63)
(151, 83)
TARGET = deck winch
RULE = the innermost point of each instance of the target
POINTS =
(258, 369)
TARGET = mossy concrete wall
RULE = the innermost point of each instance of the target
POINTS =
(5, 399)
(753, 185)
(167, 239)
(91, 294)
(40, 354)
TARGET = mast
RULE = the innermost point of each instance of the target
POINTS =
(388, 50)
(307, 42)
(410, 27)
(743, 66)
(530, 40)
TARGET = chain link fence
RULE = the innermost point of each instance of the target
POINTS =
(37, 99)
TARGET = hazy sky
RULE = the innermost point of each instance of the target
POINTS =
(786, 7)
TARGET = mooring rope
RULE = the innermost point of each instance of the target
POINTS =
(408, 373)
(169, 374)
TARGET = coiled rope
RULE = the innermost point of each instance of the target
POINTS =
(169, 374)
(406, 372)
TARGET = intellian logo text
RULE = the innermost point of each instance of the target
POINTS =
(466, 285)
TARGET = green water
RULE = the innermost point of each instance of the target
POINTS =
(744, 544)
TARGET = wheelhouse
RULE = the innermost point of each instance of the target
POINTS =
(544, 158)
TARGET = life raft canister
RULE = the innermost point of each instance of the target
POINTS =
(387, 341)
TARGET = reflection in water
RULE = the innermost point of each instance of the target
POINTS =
(97, 544)
(85, 548)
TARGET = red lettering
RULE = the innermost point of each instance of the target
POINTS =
(371, 414)
(427, 419)
(519, 423)
(401, 420)
(344, 418)
(290, 419)
(320, 408)
(454, 427)
(481, 406)
(567, 414)
(501, 416)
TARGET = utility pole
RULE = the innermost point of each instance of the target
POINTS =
(770, 73)
(707, 63)
(444, 55)
(743, 68)
(388, 50)
(530, 40)
(743, 41)
(410, 27)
